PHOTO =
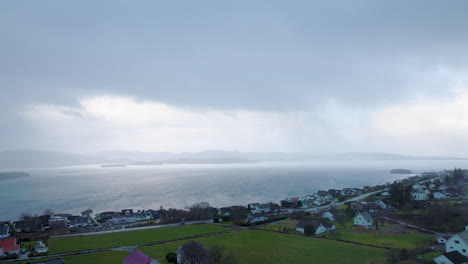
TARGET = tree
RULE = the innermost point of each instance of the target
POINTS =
(349, 212)
(334, 234)
(48, 212)
(341, 219)
(309, 230)
(218, 254)
(87, 212)
(299, 204)
(171, 257)
(25, 216)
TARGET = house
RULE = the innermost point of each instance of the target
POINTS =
(443, 239)
(439, 195)
(28, 226)
(385, 194)
(81, 221)
(453, 257)
(419, 196)
(58, 222)
(122, 220)
(4, 231)
(334, 192)
(8, 246)
(378, 202)
(138, 257)
(127, 212)
(331, 214)
(41, 247)
(192, 253)
(318, 227)
(350, 191)
(50, 261)
(417, 187)
(260, 208)
(458, 242)
(253, 218)
(363, 219)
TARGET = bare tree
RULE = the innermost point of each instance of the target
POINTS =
(48, 212)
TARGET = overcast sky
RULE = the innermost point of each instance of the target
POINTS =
(305, 76)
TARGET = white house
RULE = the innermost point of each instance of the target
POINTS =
(331, 214)
(255, 218)
(385, 194)
(439, 195)
(453, 257)
(419, 196)
(41, 247)
(363, 219)
(318, 227)
(458, 242)
(417, 186)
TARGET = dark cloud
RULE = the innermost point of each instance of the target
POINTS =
(268, 55)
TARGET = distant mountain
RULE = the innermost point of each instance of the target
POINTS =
(44, 159)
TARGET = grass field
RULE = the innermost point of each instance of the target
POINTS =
(388, 236)
(69, 244)
(254, 246)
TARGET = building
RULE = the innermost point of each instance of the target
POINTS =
(439, 195)
(253, 218)
(41, 248)
(453, 257)
(28, 226)
(58, 222)
(8, 246)
(138, 257)
(192, 253)
(331, 214)
(318, 227)
(420, 196)
(458, 242)
(4, 231)
(443, 239)
(363, 219)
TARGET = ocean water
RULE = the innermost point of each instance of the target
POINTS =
(73, 189)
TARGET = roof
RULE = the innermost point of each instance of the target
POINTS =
(303, 223)
(50, 261)
(328, 225)
(9, 244)
(463, 235)
(28, 226)
(365, 215)
(4, 229)
(138, 257)
(456, 257)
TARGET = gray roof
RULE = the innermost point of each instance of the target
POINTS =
(463, 235)
(455, 257)
(366, 216)
(303, 223)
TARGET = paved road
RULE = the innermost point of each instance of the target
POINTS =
(134, 229)
(436, 234)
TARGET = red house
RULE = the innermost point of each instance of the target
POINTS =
(9, 246)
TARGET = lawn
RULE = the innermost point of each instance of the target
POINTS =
(278, 228)
(255, 246)
(69, 244)
(388, 236)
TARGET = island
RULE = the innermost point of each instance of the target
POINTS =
(13, 175)
(401, 171)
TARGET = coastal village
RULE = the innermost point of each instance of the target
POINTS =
(429, 208)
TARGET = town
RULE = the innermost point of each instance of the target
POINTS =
(422, 219)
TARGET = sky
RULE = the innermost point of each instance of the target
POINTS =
(300, 76)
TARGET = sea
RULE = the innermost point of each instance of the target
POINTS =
(74, 189)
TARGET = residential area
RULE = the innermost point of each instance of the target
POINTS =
(421, 219)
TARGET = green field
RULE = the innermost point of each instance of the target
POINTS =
(69, 244)
(388, 236)
(254, 246)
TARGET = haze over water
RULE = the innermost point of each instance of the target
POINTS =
(73, 189)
